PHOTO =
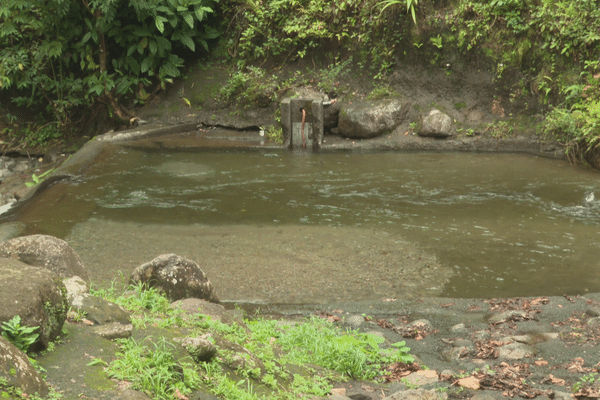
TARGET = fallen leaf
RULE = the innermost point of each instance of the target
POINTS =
(540, 362)
(552, 379)
(469, 382)
(179, 396)
(338, 391)
(367, 388)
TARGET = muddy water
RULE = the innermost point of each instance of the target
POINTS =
(278, 227)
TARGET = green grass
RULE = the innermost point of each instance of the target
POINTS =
(154, 369)
(279, 359)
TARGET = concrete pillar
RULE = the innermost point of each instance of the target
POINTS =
(298, 135)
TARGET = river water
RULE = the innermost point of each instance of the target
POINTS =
(274, 226)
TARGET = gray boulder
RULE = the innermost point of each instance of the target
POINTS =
(436, 125)
(114, 330)
(75, 286)
(331, 112)
(37, 295)
(368, 120)
(46, 252)
(192, 307)
(100, 311)
(199, 348)
(17, 370)
(178, 277)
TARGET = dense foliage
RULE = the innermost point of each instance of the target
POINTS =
(549, 49)
(64, 54)
(70, 54)
(555, 47)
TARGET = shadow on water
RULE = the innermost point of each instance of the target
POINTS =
(280, 227)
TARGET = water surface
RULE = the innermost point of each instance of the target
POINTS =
(490, 225)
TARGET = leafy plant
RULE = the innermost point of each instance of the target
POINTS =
(274, 134)
(410, 6)
(153, 369)
(64, 55)
(37, 179)
(20, 336)
(352, 353)
(437, 41)
(249, 85)
(585, 380)
(380, 92)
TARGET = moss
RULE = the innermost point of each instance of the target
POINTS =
(95, 378)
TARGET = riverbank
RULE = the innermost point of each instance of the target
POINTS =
(465, 348)
(192, 132)
(540, 347)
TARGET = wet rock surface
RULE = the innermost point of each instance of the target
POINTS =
(46, 252)
(178, 277)
(436, 125)
(17, 370)
(368, 120)
(36, 295)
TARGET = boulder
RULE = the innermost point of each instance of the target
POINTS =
(192, 307)
(177, 277)
(17, 370)
(75, 286)
(100, 311)
(367, 120)
(199, 348)
(436, 125)
(37, 295)
(114, 330)
(46, 252)
(331, 112)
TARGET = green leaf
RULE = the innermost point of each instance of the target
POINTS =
(173, 20)
(189, 42)
(123, 86)
(204, 44)
(160, 23)
(165, 10)
(134, 66)
(164, 46)
(146, 64)
(153, 46)
(201, 11)
(86, 37)
(189, 19)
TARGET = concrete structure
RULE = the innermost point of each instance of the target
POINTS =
(302, 123)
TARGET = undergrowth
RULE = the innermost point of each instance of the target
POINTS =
(255, 357)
